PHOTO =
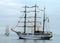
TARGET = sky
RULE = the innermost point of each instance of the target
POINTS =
(10, 11)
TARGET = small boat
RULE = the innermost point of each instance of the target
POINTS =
(37, 34)
(7, 31)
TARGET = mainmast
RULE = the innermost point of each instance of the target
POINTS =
(25, 11)
(35, 16)
(35, 19)
(44, 21)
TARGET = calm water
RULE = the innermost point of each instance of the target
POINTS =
(14, 39)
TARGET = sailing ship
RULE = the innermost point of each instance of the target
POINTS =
(37, 34)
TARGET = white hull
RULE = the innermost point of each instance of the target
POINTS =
(32, 36)
(45, 36)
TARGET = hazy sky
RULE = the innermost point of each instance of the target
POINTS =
(10, 11)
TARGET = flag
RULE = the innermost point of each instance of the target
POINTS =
(47, 19)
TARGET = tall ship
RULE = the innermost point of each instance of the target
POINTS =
(35, 33)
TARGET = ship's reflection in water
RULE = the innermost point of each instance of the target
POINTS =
(34, 41)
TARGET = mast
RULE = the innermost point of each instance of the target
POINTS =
(35, 20)
(25, 11)
(35, 16)
(44, 21)
(25, 21)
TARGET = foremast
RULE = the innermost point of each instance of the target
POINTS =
(25, 11)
